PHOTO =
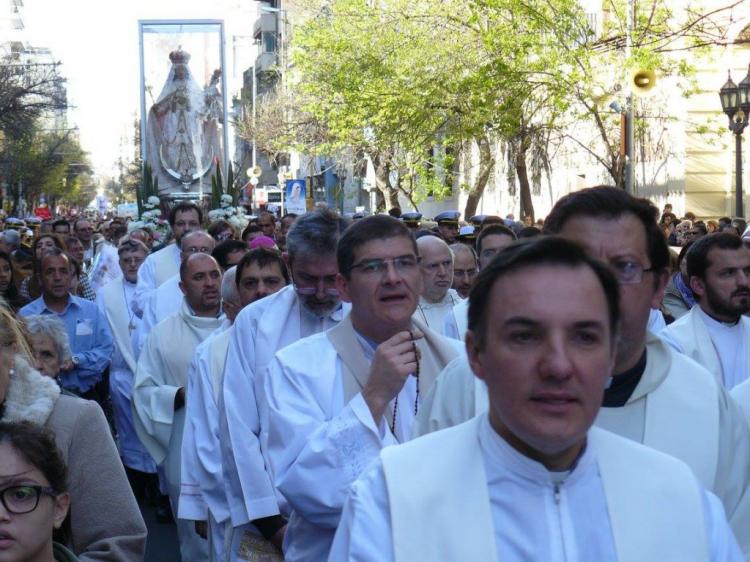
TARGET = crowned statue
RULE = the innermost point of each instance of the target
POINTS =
(183, 130)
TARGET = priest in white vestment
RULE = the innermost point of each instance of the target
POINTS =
(335, 399)
(715, 332)
(114, 302)
(161, 378)
(531, 480)
(203, 493)
(163, 264)
(308, 306)
(490, 241)
(166, 299)
(657, 397)
(438, 298)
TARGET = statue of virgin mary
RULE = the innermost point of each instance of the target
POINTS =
(183, 130)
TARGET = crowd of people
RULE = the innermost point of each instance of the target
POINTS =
(371, 389)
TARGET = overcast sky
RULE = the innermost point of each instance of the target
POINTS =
(97, 42)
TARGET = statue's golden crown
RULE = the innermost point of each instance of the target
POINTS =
(179, 56)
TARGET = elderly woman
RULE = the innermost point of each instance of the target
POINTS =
(50, 346)
(105, 521)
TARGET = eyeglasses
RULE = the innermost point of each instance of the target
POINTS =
(378, 267)
(24, 499)
(432, 267)
(196, 250)
(628, 272)
(307, 291)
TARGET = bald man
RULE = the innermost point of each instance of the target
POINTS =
(161, 378)
(438, 298)
(465, 268)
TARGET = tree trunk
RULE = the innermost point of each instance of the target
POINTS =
(387, 194)
(486, 165)
(527, 204)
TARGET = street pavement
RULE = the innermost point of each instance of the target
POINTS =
(161, 544)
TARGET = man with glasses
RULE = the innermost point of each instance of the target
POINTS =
(114, 302)
(309, 305)
(438, 298)
(657, 396)
(167, 298)
(335, 399)
(491, 239)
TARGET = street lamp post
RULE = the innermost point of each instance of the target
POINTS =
(735, 102)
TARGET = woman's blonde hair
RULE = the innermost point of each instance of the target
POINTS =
(13, 332)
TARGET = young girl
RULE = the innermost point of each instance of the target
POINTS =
(33, 495)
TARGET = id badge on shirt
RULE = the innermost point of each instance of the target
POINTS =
(84, 327)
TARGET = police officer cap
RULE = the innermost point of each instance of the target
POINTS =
(448, 217)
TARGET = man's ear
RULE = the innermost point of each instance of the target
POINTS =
(182, 288)
(342, 284)
(473, 352)
(661, 281)
(698, 286)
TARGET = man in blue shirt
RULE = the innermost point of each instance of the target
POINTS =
(89, 334)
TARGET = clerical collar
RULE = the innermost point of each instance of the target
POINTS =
(192, 312)
(718, 322)
(624, 384)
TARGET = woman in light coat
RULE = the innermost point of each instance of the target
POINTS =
(106, 524)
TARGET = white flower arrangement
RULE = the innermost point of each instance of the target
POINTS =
(151, 219)
(233, 215)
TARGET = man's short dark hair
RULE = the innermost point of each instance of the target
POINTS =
(263, 257)
(56, 252)
(543, 250)
(493, 230)
(183, 207)
(697, 255)
(315, 234)
(251, 228)
(529, 232)
(375, 227)
(223, 249)
(608, 202)
(60, 222)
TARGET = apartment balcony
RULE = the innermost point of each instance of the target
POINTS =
(266, 23)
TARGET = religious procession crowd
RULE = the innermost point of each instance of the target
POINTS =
(318, 388)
